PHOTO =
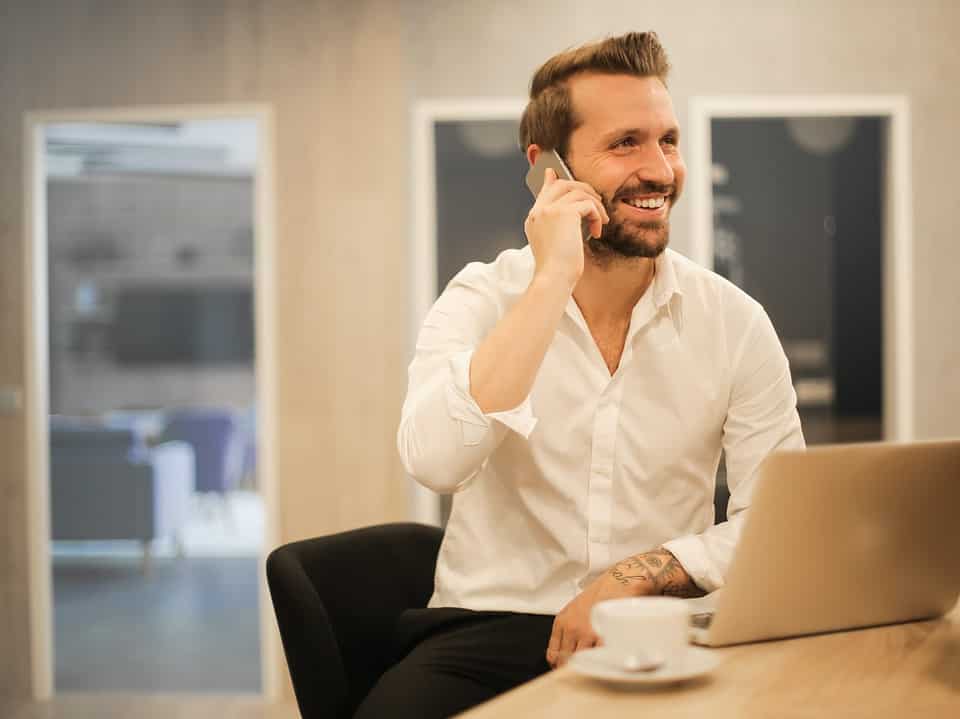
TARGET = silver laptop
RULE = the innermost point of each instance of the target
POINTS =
(839, 537)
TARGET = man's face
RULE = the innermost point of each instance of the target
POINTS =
(626, 147)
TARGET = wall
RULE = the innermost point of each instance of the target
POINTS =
(491, 48)
(114, 232)
(335, 74)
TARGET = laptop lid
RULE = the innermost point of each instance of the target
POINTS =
(845, 536)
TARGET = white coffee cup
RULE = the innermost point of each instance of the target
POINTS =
(641, 631)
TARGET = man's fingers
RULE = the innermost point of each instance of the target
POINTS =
(553, 646)
(587, 641)
(547, 189)
(557, 192)
(556, 188)
(568, 642)
(596, 219)
(563, 642)
(603, 210)
(588, 211)
(572, 641)
(574, 197)
(553, 187)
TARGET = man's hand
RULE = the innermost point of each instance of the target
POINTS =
(554, 226)
(650, 573)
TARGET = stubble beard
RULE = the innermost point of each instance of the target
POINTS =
(622, 240)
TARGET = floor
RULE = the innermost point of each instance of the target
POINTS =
(119, 706)
(230, 526)
(189, 625)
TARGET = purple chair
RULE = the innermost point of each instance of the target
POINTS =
(249, 440)
(217, 445)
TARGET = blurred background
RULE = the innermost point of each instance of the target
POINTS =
(236, 212)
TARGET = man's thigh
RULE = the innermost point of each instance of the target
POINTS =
(460, 665)
(413, 689)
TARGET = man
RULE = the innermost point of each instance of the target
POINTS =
(576, 396)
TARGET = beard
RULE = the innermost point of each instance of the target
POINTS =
(627, 239)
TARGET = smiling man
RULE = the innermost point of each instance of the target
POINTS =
(576, 396)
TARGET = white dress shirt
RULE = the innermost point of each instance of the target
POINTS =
(591, 468)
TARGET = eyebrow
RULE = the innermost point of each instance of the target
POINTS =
(624, 132)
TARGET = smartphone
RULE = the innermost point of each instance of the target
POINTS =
(547, 159)
(535, 178)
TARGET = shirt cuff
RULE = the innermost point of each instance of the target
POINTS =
(464, 408)
(692, 555)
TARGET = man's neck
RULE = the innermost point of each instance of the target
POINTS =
(607, 292)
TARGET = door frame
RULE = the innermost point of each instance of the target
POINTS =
(37, 363)
(898, 368)
(424, 504)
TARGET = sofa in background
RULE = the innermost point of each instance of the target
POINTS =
(105, 484)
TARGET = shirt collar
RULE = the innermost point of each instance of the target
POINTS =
(665, 284)
(664, 293)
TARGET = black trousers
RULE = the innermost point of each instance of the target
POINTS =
(448, 660)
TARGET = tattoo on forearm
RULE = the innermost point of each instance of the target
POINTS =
(659, 571)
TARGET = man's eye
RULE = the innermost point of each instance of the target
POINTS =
(670, 139)
(625, 142)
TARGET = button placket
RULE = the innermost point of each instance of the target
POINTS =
(599, 508)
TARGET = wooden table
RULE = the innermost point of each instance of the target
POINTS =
(904, 671)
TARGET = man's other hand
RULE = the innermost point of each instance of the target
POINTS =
(650, 573)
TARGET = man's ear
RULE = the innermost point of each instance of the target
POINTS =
(533, 152)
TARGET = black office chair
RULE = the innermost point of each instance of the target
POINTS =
(337, 599)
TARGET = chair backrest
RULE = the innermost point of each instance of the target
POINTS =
(336, 633)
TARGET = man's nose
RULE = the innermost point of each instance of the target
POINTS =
(653, 166)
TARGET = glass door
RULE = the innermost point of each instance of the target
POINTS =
(798, 223)
(156, 514)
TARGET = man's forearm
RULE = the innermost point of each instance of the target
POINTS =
(655, 572)
(505, 365)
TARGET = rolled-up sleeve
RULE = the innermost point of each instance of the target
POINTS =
(444, 437)
(761, 418)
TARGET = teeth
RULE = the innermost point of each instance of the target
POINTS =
(650, 204)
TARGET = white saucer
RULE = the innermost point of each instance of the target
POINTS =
(599, 664)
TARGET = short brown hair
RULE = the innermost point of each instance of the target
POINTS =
(548, 119)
